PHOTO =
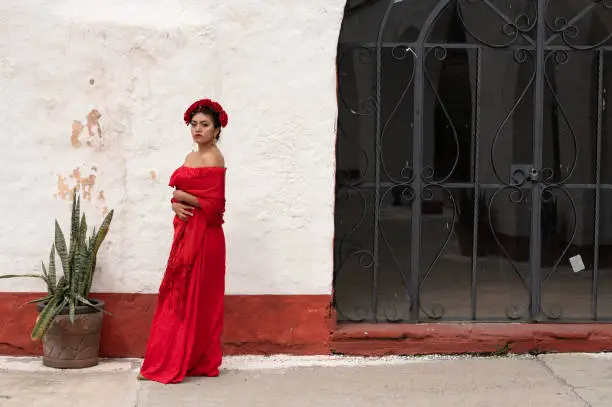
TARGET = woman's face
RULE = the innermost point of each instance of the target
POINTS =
(203, 129)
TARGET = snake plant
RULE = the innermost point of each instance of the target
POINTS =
(78, 260)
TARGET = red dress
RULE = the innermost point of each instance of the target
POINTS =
(185, 338)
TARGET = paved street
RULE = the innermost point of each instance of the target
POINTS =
(569, 380)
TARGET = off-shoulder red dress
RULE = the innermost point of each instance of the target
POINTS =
(185, 337)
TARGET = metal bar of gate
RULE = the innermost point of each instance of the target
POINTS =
(476, 179)
(467, 185)
(600, 70)
(427, 45)
(375, 265)
(415, 266)
(374, 302)
(535, 246)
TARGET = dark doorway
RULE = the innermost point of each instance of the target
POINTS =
(472, 173)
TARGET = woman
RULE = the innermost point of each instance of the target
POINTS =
(185, 338)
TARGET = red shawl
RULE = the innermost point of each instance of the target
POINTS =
(208, 185)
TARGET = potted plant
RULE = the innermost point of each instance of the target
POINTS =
(69, 321)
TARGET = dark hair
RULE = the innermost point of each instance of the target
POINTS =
(208, 112)
(211, 113)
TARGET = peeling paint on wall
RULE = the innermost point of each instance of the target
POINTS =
(63, 191)
(77, 128)
(85, 185)
(94, 129)
(102, 203)
(93, 123)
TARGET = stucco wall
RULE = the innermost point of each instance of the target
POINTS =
(133, 68)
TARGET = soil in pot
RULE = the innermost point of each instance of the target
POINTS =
(73, 346)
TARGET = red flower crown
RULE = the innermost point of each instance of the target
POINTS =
(214, 106)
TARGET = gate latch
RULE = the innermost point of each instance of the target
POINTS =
(522, 173)
(533, 175)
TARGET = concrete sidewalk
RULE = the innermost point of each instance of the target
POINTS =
(569, 380)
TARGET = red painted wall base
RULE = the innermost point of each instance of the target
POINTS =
(462, 338)
(305, 325)
(254, 324)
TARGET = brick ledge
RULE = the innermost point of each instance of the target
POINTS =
(469, 338)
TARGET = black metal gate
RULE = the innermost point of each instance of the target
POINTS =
(473, 179)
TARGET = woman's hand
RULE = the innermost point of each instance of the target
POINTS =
(182, 210)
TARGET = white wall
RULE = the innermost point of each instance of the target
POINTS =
(140, 64)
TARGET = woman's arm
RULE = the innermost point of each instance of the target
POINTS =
(189, 199)
(211, 208)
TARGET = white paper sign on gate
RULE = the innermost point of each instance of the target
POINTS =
(577, 263)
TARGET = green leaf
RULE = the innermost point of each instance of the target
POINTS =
(72, 262)
(47, 316)
(99, 238)
(74, 231)
(87, 302)
(60, 247)
(51, 277)
(83, 229)
(61, 286)
(72, 310)
(101, 235)
(49, 288)
(90, 273)
(47, 298)
(44, 318)
(83, 279)
(76, 214)
(81, 259)
(92, 239)
(42, 277)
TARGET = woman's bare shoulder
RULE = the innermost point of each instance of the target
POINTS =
(213, 158)
(191, 158)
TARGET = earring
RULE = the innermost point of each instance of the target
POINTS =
(195, 147)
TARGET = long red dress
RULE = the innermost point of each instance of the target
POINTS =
(185, 338)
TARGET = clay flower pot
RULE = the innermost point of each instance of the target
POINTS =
(68, 345)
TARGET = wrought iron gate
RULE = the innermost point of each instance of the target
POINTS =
(472, 173)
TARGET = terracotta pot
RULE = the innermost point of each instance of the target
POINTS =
(73, 346)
